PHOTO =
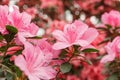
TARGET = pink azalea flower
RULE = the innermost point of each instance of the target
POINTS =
(76, 33)
(19, 20)
(22, 21)
(113, 50)
(35, 63)
(22, 35)
(112, 18)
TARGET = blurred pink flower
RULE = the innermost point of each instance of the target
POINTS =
(32, 11)
(35, 63)
(113, 50)
(72, 77)
(50, 3)
(6, 2)
(76, 33)
(112, 18)
(56, 4)
(92, 72)
(59, 25)
(90, 6)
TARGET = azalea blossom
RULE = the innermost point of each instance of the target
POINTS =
(21, 21)
(35, 63)
(113, 50)
(76, 33)
(112, 18)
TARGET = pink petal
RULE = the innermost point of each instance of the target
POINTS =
(82, 43)
(104, 18)
(20, 62)
(26, 18)
(90, 35)
(81, 28)
(107, 58)
(59, 35)
(60, 45)
(33, 29)
(21, 37)
(109, 50)
(3, 18)
(45, 73)
(33, 77)
(29, 54)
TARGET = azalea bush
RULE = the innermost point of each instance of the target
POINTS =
(59, 40)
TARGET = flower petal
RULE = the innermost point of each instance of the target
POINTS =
(82, 43)
(60, 45)
(90, 35)
(109, 57)
(59, 35)
(21, 63)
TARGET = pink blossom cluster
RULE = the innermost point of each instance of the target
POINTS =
(112, 18)
(34, 60)
(76, 33)
(76, 50)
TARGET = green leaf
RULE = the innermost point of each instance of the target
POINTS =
(90, 50)
(9, 37)
(1, 73)
(108, 26)
(18, 52)
(3, 48)
(99, 57)
(1, 37)
(113, 77)
(102, 28)
(9, 76)
(89, 62)
(18, 71)
(11, 29)
(65, 67)
(35, 37)
(62, 54)
(105, 40)
(76, 49)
